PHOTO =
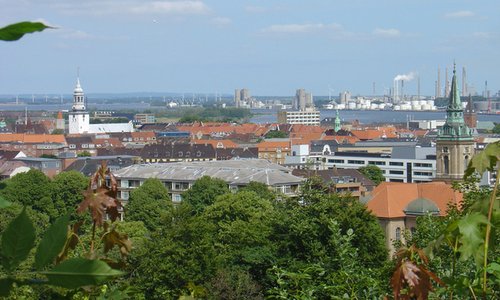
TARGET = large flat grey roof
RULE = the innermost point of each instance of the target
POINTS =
(235, 172)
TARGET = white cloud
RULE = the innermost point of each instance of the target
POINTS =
(138, 7)
(256, 9)
(170, 7)
(460, 14)
(386, 32)
(300, 28)
(76, 35)
(482, 35)
(220, 21)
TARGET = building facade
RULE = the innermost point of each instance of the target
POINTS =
(79, 119)
(305, 117)
(455, 144)
(179, 177)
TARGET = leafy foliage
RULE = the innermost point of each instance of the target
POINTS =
(412, 279)
(52, 242)
(463, 247)
(149, 203)
(17, 241)
(14, 32)
(77, 272)
(19, 237)
(276, 134)
(373, 173)
(204, 192)
(32, 189)
(100, 198)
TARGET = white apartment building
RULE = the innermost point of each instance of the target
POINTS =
(305, 117)
(403, 164)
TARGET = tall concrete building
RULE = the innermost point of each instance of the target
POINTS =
(454, 145)
(345, 97)
(237, 97)
(303, 100)
(79, 119)
(240, 96)
(245, 94)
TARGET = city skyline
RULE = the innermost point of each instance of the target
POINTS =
(271, 47)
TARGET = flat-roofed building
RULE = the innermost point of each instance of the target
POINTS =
(179, 177)
(404, 164)
(310, 116)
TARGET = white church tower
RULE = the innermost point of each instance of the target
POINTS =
(79, 121)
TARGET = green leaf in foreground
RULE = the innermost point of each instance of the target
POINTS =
(17, 241)
(78, 272)
(4, 203)
(5, 286)
(52, 242)
(13, 32)
(484, 160)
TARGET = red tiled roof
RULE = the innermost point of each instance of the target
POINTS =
(268, 145)
(390, 199)
(32, 138)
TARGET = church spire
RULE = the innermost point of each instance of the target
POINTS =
(454, 127)
(337, 122)
(78, 97)
(455, 103)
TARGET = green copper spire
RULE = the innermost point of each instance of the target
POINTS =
(337, 122)
(455, 128)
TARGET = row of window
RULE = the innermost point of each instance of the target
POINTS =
(379, 163)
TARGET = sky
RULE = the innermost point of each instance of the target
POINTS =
(270, 47)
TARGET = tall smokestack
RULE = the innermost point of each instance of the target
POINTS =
(446, 84)
(464, 82)
(438, 84)
(418, 87)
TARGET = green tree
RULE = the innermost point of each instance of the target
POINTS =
(204, 192)
(260, 189)
(149, 203)
(33, 189)
(243, 225)
(276, 134)
(84, 153)
(373, 173)
(496, 129)
(67, 191)
(57, 131)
